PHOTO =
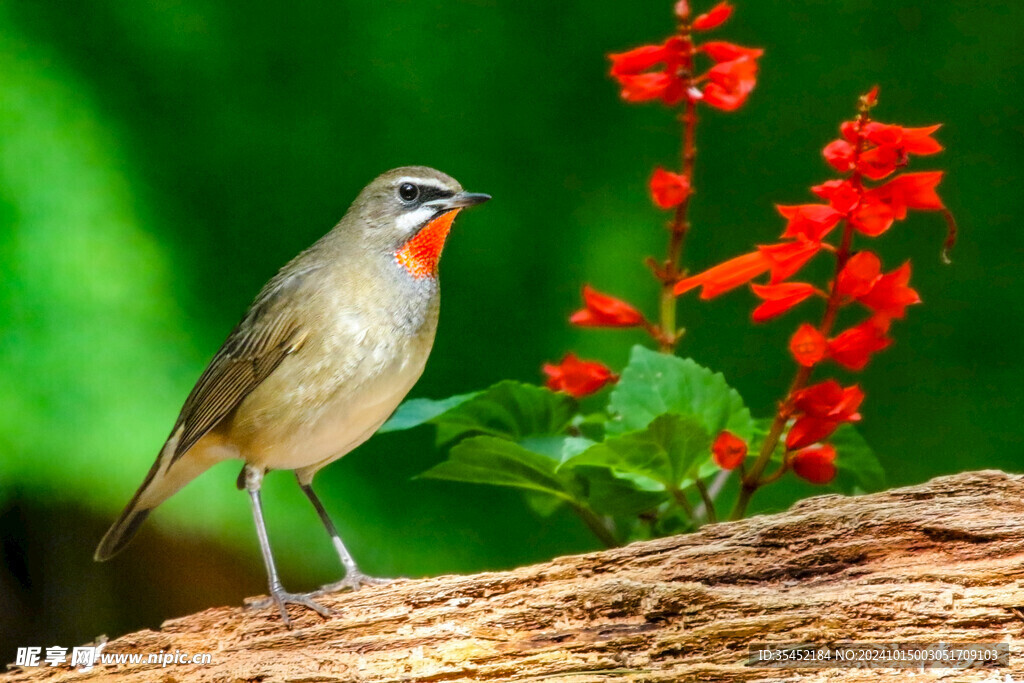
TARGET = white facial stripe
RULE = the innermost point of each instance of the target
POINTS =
(429, 182)
(407, 222)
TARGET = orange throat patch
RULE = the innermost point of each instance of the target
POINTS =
(419, 256)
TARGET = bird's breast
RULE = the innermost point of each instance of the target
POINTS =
(335, 392)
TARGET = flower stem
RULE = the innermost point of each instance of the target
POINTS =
(752, 480)
(709, 503)
(596, 526)
(680, 499)
(680, 225)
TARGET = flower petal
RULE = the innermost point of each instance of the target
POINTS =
(668, 189)
(713, 18)
(812, 221)
(808, 345)
(890, 294)
(728, 450)
(721, 51)
(779, 298)
(788, 257)
(605, 311)
(578, 377)
(727, 275)
(816, 465)
(853, 348)
(859, 275)
(808, 430)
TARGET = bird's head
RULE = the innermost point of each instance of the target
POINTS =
(408, 212)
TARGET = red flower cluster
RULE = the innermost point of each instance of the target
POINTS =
(866, 150)
(578, 377)
(820, 409)
(665, 72)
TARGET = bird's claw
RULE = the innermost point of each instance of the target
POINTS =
(353, 581)
(282, 598)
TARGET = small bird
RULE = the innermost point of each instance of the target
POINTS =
(324, 355)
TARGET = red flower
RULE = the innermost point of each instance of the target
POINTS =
(909, 191)
(812, 221)
(903, 140)
(721, 51)
(727, 275)
(839, 155)
(729, 450)
(638, 84)
(853, 348)
(788, 257)
(828, 400)
(779, 298)
(577, 377)
(730, 83)
(808, 345)
(873, 216)
(605, 311)
(849, 131)
(859, 275)
(885, 147)
(651, 86)
(840, 194)
(669, 189)
(640, 59)
(821, 409)
(816, 465)
(878, 162)
(713, 18)
(890, 295)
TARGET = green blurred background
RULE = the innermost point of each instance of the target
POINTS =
(159, 161)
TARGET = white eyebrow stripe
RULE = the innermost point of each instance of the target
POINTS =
(432, 182)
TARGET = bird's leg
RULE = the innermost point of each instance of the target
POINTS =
(278, 595)
(354, 579)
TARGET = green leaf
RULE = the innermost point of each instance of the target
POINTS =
(656, 383)
(551, 446)
(508, 409)
(574, 445)
(499, 462)
(591, 426)
(858, 468)
(419, 411)
(608, 494)
(670, 451)
(544, 504)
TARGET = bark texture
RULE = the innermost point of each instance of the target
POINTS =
(940, 561)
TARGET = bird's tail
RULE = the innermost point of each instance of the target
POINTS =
(163, 481)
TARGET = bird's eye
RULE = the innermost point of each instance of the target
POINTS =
(408, 192)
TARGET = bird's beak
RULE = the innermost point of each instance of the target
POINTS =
(460, 201)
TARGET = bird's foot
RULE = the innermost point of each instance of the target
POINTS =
(353, 581)
(282, 598)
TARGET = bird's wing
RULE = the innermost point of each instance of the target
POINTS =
(264, 337)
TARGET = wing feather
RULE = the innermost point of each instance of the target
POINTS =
(266, 335)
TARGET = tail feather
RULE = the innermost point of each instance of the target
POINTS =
(162, 482)
(121, 533)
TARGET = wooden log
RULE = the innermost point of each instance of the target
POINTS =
(943, 561)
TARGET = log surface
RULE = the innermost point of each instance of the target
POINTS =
(939, 561)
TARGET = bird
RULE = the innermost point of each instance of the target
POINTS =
(319, 361)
